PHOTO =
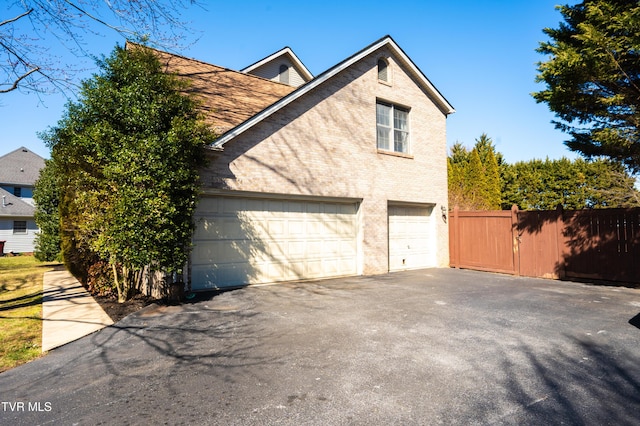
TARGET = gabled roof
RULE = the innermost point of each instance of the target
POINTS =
(20, 167)
(387, 42)
(286, 52)
(228, 97)
(10, 205)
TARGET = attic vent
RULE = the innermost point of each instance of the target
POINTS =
(284, 74)
(383, 70)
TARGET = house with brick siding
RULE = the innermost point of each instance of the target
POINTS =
(339, 174)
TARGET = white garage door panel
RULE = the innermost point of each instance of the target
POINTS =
(248, 241)
(411, 238)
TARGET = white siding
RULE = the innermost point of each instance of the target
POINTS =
(17, 243)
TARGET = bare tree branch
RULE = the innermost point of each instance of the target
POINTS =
(41, 27)
(98, 20)
(8, 21)
(14, 86)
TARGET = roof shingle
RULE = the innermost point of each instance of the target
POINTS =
(228, 97)
(10, 205)
(20, 167)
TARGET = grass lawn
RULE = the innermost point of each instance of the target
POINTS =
(20, 309)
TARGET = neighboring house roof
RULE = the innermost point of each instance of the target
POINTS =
(228, 97)
(10, 205)
(285, 52)
(20, 167)
(387, 42)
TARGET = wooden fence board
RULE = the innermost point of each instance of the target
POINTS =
(598, 244)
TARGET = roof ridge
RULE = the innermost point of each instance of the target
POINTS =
(22, 148)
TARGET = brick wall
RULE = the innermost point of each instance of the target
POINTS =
(324, 144)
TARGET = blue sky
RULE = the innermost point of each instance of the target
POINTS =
(480, 55)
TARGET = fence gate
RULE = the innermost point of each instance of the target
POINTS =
(484, 240)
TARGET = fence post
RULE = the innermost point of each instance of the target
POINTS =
(560, 226)
(516, 239)
(455, 226)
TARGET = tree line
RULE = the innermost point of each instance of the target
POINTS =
(480, 179)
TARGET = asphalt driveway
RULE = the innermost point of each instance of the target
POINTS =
(436, 346)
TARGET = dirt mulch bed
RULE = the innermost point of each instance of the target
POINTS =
(117, 311)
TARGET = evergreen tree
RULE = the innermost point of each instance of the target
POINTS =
(493, 184)
(128, 153)
(578, 184)
(47, 196)
(475, 183)
(456, 165)
(474, 177)
(593, 78)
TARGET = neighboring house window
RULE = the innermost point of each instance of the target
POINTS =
(19, 226)
(17, 191)
(383, 70)
(393, 127)
(284, 74)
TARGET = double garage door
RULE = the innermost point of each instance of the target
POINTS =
(242, 241)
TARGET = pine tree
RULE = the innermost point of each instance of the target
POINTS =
(475, 181)
(593, 78)
(492, 184)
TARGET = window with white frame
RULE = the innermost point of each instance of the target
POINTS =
(393, 127)
(19, 226)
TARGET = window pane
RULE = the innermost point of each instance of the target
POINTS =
(383, 114)
(19, 226)
(383, 137)
(401, 141)
(400, 121)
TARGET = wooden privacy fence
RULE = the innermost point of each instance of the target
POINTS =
(602, 244)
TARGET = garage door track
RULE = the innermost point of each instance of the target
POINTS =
(436, 346)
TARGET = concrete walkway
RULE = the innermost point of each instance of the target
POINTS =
(68, 311)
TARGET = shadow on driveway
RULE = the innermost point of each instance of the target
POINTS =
(418, 347)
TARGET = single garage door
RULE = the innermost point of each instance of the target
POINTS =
(411, 238)
(242, 241)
